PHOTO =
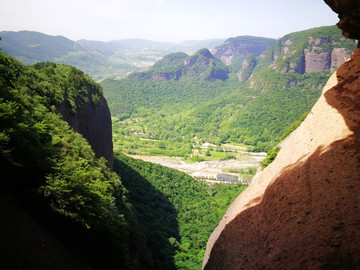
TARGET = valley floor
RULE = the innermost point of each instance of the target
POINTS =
(209, 169)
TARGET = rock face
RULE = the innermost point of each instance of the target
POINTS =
(303, 210)
(349, 15)
(319, 55)
(242, 45)
(94, 123)
(247, 67)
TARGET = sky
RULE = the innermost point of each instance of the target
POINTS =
(164, 20)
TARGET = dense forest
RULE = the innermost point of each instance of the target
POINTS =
(54, 175)
(113, 59)
(178, 214)
(52, 170)
(141, 213)
(252, 107)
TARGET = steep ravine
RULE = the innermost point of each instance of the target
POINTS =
(303, 210)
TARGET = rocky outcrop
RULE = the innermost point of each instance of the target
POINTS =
(163, 76)
(320, 49)
(94, 123)
(242, 45)
(317, 60)
(302, 212)
(349, 15)
(320, 59)
(321, 55)
(247, 67)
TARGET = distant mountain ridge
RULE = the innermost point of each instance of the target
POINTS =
(31, 47)
(138, 43)
(113, 59)
(202, 64)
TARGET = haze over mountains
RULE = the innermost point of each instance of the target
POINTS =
(100, 60)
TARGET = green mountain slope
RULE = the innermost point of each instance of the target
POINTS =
(32, 47)
(113, 59)
(320, 49)
(50, 173)
(177, 213)
(174, 103)
(62, 205)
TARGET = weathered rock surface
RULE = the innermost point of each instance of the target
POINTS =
(317, 58)
(94, 123)
(247, 67)
(242, 45)
(303, 210)
(349, 15)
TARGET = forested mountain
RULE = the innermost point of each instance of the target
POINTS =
(32, 47)
(63, 208)
(161, 104)
(176, 212)
(139, 214)
(51, 176)
(318, 50)
(202, 64)
(113, 59)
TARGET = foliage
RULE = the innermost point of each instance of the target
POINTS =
(45, 156)
(217, 112)
(180, 108)
(113, 59)
(289, 50)
(176, 212)
(271, 155)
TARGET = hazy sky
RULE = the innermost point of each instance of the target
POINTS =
(164, 20)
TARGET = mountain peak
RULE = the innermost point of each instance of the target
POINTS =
(204, 52)
(175, 65)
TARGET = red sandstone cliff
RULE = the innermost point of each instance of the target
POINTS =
(303, 212)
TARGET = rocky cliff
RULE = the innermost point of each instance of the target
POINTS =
(242, 45)
(349, 15)
(302, 212)
(94, 123)
(320, 49)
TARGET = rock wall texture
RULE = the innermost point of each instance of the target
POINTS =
(349, 15)
(316, 58)
(303, 212)
(94, 123)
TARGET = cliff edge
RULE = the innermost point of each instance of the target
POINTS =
(303, 210)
